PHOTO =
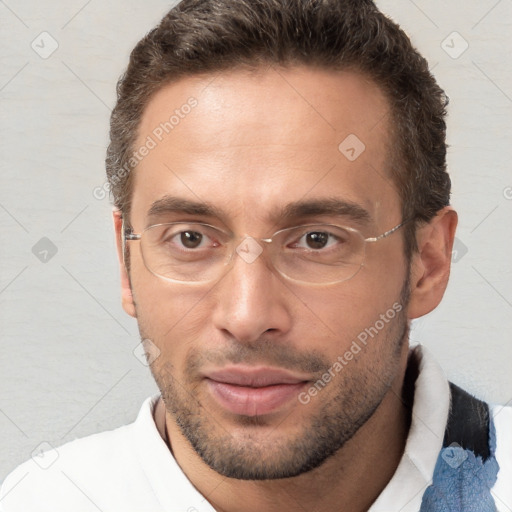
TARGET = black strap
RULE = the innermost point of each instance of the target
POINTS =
(468, 423)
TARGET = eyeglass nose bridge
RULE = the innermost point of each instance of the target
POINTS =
(249, 250)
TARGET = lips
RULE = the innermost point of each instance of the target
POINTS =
(254, 377)
(254, 391)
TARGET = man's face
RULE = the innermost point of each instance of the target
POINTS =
(239, 356)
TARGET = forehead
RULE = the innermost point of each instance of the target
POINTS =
(255, 140)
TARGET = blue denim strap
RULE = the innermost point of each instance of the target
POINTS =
(466, 468)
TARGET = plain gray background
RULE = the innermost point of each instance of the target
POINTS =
(67, 365)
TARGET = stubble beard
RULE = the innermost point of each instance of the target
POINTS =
(251, 456)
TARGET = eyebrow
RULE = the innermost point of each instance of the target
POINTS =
(297, 209)
(329, 207)
(171, 204)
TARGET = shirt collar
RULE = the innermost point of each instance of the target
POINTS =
(424, 441)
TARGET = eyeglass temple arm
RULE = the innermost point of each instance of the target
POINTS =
(387, 233)
(126, 234)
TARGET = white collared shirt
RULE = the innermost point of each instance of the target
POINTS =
(131, 469)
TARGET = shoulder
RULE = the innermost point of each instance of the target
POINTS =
(76, 474)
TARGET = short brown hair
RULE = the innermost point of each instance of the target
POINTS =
(208, 36)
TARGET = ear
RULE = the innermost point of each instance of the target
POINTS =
(430, 266)
(126, 291)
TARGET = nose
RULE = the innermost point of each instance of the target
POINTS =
(251, 298)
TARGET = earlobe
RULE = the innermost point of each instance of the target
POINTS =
(430, 266)
(126, 291)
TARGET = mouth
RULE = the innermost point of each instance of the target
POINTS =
(254, 391)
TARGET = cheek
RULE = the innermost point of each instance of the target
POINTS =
(169, 314)
(344, 311)
(170, 310)
(176, 322)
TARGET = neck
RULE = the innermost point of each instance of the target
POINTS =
(353, 477)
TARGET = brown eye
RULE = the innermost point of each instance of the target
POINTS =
(317, 240)
(191, 239)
